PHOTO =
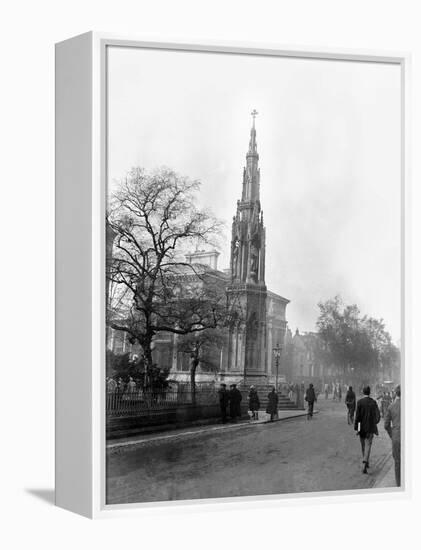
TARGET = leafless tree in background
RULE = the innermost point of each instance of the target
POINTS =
(155, 220)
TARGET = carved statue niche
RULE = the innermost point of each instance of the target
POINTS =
(235, 255)
(254, 257)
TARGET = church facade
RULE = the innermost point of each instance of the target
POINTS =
(247, 352)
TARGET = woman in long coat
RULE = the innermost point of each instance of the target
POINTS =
(272, 407)
(310, 398)
(235, 398)
(254, 403)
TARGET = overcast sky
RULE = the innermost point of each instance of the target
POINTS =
(328, 135)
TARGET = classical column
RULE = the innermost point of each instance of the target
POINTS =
(229, 348)
(262, 346)
(234, 349)
(243, 348)
(240, 351)
(270, 348)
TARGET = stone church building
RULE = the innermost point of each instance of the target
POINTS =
(247, 353)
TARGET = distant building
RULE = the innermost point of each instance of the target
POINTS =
(306, 357)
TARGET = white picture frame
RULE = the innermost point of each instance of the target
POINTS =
(81, 65)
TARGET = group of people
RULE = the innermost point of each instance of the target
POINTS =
(230, 399)
(291, 390)
(120, 386)
(334, 388)
(365, 415)
(272, 404)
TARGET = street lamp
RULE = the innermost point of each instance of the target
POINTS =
(277, 354)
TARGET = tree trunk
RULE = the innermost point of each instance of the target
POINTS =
(193, 367)
(147, 358)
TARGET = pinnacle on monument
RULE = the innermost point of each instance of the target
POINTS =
(253, 144)
(251, 172)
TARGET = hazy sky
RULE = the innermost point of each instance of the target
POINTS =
(328, 136)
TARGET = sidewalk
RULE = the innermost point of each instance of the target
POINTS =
(387, 478)
(264, 418)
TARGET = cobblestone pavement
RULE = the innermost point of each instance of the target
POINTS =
(290, 456)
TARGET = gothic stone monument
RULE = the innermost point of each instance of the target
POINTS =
(247, 289)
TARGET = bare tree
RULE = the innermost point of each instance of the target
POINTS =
(155, 220)
(203, 349)
(359, 345)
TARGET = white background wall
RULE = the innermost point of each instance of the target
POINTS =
(28, 33)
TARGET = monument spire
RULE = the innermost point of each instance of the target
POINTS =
(251, 174)
(248, 231)
(253, 145)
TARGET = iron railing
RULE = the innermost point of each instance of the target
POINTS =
(136, 401)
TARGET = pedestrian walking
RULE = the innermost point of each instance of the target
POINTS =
(131, 385)
(350, 402)
(335, 392)
(120, 386)
(310, 398)
(235, 399)
(326, 391)
(111, 385)
(380, 404)
(392, 424)
(272, 407)
(302, 394)
(366, 419)
(339, 392)
(254, 403)
(386, 402)
(223, 401)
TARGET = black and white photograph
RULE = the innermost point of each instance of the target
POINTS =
(211, 274)
(253, 275)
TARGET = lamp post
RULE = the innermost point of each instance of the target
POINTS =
(277, 354)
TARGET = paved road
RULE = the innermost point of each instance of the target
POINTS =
(284, 457)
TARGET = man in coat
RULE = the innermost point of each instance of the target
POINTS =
(310, 398)
(235, 398)
(111, 385)
(350, 402)
(392, 424)
(272, 407)
(366, 419)
(254, 403)
(386, 402)
(223, 401)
